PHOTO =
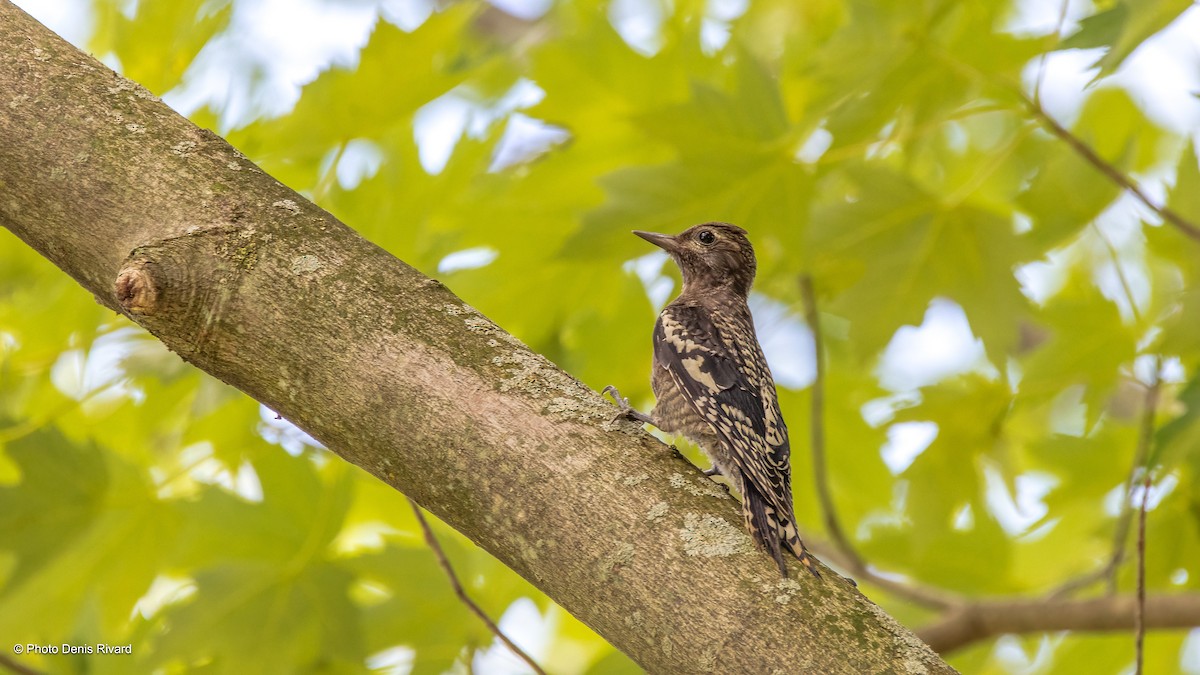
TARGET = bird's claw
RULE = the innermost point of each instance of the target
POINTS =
(626, 410)
(622, 403)
(712, 473)
(612, 391)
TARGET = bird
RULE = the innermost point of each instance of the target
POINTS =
(713, 386)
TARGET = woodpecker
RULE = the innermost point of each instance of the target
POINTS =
(713, 385)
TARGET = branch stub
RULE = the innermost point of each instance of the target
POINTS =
(136, 289)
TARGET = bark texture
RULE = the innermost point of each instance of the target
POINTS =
(245, 279)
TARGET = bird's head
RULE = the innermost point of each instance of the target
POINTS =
(711, 256)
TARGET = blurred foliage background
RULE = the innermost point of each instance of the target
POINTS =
(994, 306)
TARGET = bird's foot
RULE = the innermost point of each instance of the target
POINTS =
(714, 472)
(627, 411)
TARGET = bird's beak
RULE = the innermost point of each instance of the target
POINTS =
(666, 242)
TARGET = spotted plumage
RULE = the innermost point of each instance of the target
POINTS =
(713, 385)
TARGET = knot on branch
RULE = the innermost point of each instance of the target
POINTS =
(137, 289)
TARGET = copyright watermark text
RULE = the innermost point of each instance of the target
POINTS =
(64, 648)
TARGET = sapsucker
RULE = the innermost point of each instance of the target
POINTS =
(713, 385)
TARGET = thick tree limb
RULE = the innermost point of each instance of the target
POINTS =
(243, 278)
(988, 619)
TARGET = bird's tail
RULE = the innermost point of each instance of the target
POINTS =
(772, 533)
(792, 538)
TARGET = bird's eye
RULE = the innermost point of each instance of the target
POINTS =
(706, 237)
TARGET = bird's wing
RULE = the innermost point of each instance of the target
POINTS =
(721, 371)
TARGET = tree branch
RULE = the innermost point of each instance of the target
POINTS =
(1124, 519)
(985, 619)
(1085, 151)
(1139, 607)
(817, 430)
(1041, 72)
(248, 281)
(982, 620)
(444, 563)
(1145, 445)
(16, 666)
(962, 621)
(933, 598)
(840, 551)
(1103, 166)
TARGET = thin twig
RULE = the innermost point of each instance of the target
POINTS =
(17, 667)
(1145, 444)
(1116, 175)
(840, 550)
(462, 594)
(1105, 573)
(1120, 270)
(1108, 573)
(924, 596)
(1139, 608)
(1085, 151)
(325, 183)
(817, 429)
(1041, 75)
(1113, 173)
(29, 425)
